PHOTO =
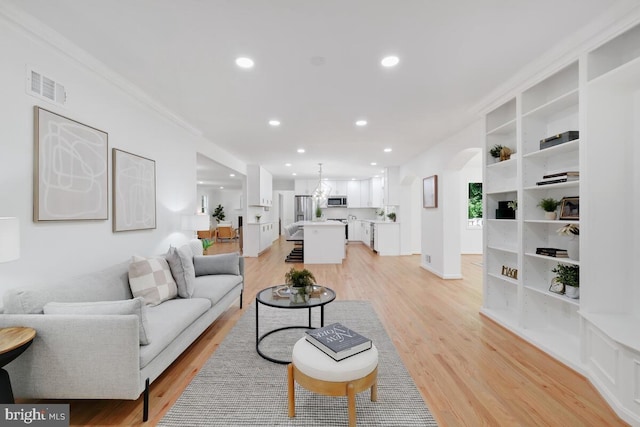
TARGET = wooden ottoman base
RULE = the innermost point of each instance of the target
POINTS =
(331, 388)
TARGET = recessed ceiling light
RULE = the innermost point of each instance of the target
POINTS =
(200, 182)
(353, 179)
(390, 61)
(221, 187)
(376, 176)
(232, 175)
(274, 122)
(300, 150)
(287, 164)
(244, 62)
(387, 150)
(361, 123)
(373, 163)
(294, 174)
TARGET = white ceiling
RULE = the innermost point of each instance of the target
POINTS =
(452, 54)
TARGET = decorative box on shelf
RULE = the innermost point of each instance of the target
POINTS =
(558, 139)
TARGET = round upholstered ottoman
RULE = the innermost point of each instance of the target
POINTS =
(319, 373)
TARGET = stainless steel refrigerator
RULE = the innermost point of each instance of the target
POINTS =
(303, 208)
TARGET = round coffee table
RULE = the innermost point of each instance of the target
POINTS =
(13, 341)
(267, 297)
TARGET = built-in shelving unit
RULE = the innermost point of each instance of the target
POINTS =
(597, 334)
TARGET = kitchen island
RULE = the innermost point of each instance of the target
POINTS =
(324, 242)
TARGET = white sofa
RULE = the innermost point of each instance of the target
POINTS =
(100, 356)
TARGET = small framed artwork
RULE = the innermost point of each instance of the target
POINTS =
(430, 192)
(134, 192)
(70, 169)
(570, 208)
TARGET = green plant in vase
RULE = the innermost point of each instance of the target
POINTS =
(206, 244)
(300, 284)
(218, 213)
(318, 212)
(569, 276)
(392, 216)
(549, 206)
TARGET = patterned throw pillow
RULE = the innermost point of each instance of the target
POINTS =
(150, 278)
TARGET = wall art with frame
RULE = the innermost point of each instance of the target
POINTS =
(134, 192)
(570, 208)
(430, 192)
(70, 169)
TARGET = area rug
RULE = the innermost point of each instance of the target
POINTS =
(237, 387)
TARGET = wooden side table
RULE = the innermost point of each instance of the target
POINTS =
(13, 342)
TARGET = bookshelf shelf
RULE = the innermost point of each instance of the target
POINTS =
(556, 259)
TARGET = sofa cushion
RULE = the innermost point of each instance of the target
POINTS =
(129, 306)
(196, 247)
(177, 271)
(217, 264)
(109, 284)
(214, 288)
(150, 278)
(167, 321)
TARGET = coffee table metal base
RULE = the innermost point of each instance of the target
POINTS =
(259, 338)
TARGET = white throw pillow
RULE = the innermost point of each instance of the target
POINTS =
(129, 306)
(150, 278)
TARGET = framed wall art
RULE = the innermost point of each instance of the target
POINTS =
(570, 208)
(430, 192)
(70, 169)
(134, 192)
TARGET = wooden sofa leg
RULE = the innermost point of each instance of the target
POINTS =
(241, 292)
(145, 409)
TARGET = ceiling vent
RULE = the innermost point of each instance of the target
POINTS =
(46, 88)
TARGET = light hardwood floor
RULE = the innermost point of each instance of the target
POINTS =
(470, 371)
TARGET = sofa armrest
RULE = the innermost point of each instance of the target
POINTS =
(78, 356)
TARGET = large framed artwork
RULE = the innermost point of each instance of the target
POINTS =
(134, 192)
(70, 169)
(430, 192)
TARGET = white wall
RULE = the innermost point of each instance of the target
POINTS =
(56, 250)
(229, 199)
(440, 227)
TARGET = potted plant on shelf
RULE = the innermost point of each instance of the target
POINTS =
(258, 218)
(573, 232)
(300, 284)
(392, 216)
(500, 152)
(549, 206)
(318, 213)
(569, 276)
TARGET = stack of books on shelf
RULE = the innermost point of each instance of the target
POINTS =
(553, 252)
(338, 341)
(555, 178)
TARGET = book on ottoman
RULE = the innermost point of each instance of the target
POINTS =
(338, 341)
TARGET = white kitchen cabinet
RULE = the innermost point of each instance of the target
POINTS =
(353, 194)
(365, 193)
(340, 188)
(387, 238)
(354, 236)
(392, 186)
(376, 192)
(301, 187)
(257, 238)
(259, 186)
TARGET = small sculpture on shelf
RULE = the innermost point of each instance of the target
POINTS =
(573, 246)
(500, 152)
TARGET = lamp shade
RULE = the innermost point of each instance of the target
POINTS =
(9, 239)
(195, 222)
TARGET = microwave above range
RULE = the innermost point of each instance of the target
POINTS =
(337, 202)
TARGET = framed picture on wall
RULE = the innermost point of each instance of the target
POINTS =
(70, 169)
(430, 192)
(134, 192)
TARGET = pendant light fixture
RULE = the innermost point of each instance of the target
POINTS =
(322, 191)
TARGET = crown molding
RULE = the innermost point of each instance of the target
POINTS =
(43, 34)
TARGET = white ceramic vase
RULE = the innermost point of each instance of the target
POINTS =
(573, 248)
(550, 215)
(572, 292)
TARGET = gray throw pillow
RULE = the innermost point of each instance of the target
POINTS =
(217, 264)
(186, 258)
(130, 306)
(177, 271)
